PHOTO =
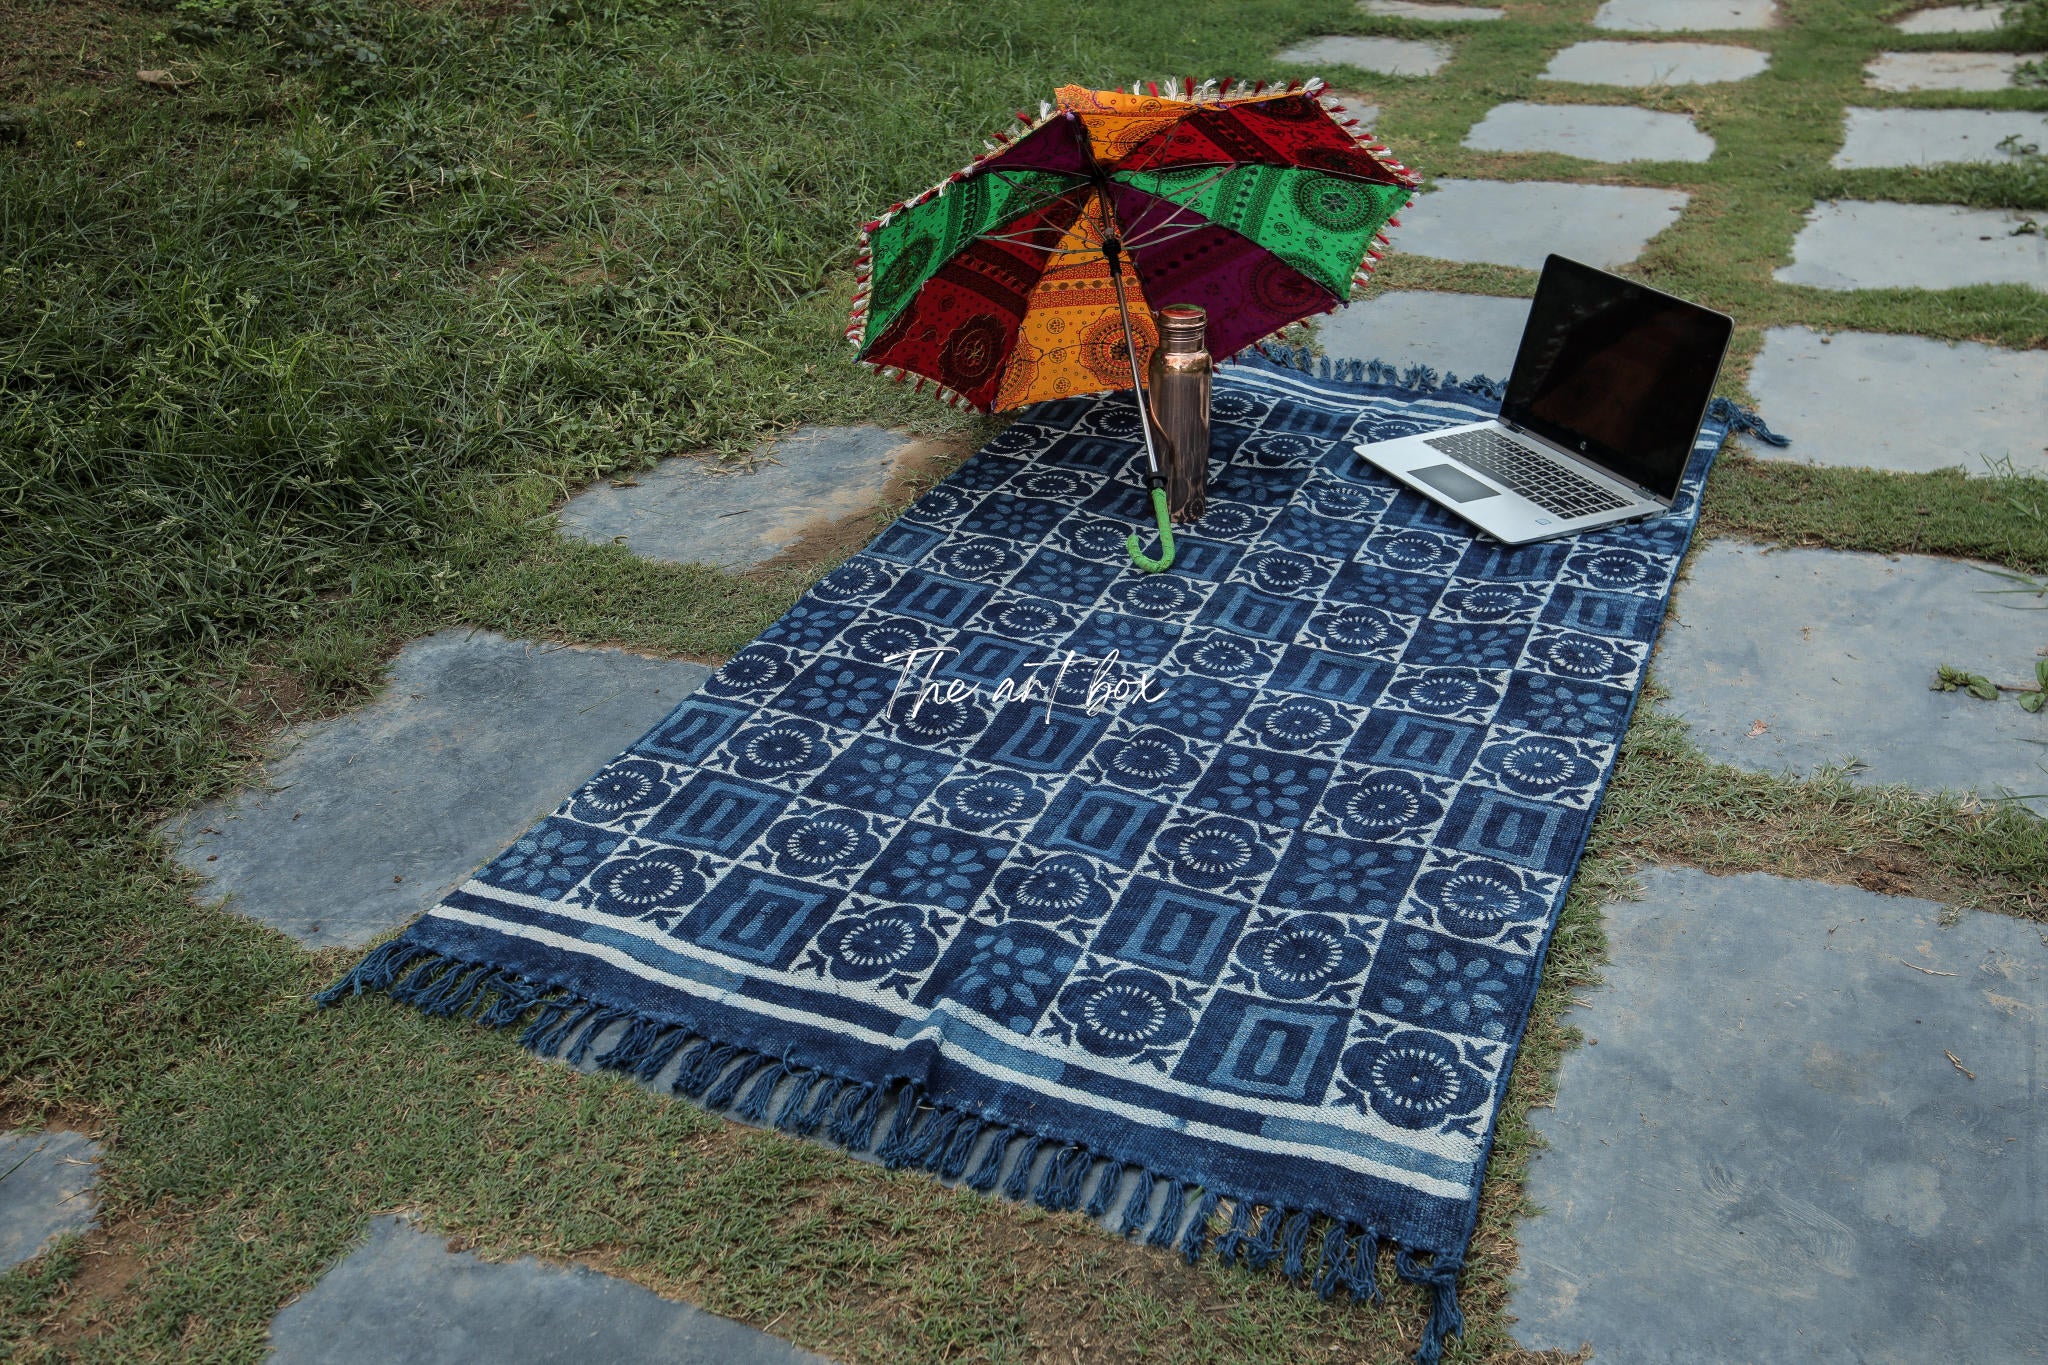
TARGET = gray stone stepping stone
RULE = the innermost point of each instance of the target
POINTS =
(1388, 56)
(1908, 71)
(1930, 137)
(1953, 19)
(1597, 132)
(1430, 14)
(688, 511)
(1685, 16)
(46, 1183)
(1655, 64)
(1768, 1155)
(1832, 654)
(1860, 244)
(1838, 396)
(367, 819)
(1520, 222)
(1462, 334)
(404, 1297)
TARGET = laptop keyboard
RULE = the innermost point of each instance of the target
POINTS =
(1513, 465)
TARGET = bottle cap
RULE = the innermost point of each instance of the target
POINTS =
(1182, 327)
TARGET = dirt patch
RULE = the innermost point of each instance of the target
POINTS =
(826, 541)
(18, 1114)
(103, 1289)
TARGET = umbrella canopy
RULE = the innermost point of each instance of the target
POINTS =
(1264, 208)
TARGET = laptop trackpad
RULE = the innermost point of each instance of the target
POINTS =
(1453, 482)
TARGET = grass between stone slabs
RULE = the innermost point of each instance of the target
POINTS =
(303, 336)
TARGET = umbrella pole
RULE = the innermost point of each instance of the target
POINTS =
(1155, 477)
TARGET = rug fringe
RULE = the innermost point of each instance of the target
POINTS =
(1422, 380)
(918, 1133)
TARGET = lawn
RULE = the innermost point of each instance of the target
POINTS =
(307, 329)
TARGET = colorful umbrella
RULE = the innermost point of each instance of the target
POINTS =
(1008, 283)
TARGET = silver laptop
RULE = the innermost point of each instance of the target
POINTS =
(1605, 401)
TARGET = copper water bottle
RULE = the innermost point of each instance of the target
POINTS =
(1179, 380)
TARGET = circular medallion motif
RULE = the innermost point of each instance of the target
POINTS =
(1155, 595)
(972, 353)
(753, 670)
(1283, 289)
(1124, 1013)
(1277, 571)
(1297, 723)
(1096, 539)
(1414, 1080)
(1057, 888)
(885, 640)
(892, 939)
(1216, 851)
(819, 844)
(1303, 956)
(1027, 618)
(1358, 628)
(1150, 758)
(1225, 521)
(978, 559)
(1056, 484)
(1333, 205)
(664, 880)
(1581, 656)
(854, 578)
(1618, 568)
(1541, 765)
(979, 802)
(1475, 900)
(1383, 805)
(621, 789)
(1416, 552)
(1222, 657)
(1442, 691)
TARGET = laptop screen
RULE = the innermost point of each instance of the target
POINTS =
(1617, 371)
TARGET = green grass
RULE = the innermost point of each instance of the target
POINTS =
(297, 358)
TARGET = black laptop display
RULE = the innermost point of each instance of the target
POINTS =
(1616, 372)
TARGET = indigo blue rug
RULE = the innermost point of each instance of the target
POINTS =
(1213, 900)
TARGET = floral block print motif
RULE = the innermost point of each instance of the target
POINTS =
(1266, 929)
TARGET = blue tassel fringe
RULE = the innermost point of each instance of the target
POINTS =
(1422, 380)
(945, 1141)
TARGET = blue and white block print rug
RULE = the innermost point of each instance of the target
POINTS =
(1219, 895)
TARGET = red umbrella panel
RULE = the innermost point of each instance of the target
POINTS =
(1264, 208)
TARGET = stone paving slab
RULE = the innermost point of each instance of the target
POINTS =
(1838, 397)
(1654, 64)
(1436, 14)
(404, 1297)
(1908, 71)
(1597, 132)
(1685, 16)
(1954, 19)
(686, 511)
(1860, 244)
(1519, 223)
(1388, 56)
(1929, 137)
(1463, 334)
(46, 1183)
(367, 819)
(1768, 1157)
(1833, 654)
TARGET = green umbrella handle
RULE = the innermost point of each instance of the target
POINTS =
(1165, 560)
